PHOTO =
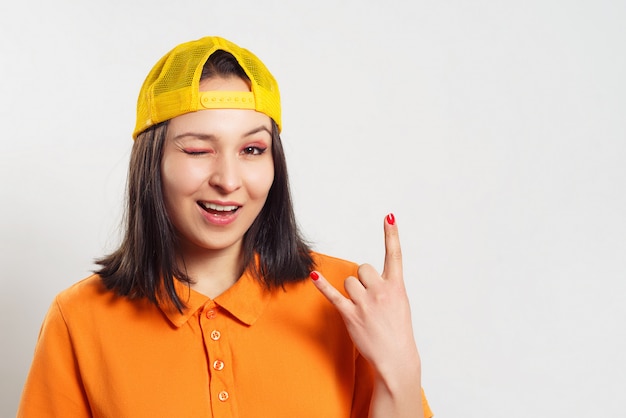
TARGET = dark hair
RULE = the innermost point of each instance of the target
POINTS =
(146, 263)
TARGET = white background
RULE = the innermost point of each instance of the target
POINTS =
(494, 130)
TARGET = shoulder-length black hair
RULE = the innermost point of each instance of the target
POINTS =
(146, 264)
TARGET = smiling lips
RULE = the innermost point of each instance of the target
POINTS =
(219, 214)
(215, 208)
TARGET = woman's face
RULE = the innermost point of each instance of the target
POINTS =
(217, 170)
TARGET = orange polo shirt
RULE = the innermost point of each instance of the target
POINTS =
(249, 353)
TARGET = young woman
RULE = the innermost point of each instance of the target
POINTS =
(213, 305)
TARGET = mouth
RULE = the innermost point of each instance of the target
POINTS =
(219, 210)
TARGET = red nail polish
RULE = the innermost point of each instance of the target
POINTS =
(314, 275)
(391, 220)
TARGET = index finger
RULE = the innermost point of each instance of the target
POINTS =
(393, 252)
(342, 303)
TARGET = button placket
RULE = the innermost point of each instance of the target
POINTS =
(215, 336)
(213, 324)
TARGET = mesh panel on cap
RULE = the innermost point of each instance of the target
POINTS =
(180, 71)
(171, 89)
(260, 76)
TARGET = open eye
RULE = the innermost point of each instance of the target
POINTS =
(253, 150)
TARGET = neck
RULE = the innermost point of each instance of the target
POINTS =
(213, 272)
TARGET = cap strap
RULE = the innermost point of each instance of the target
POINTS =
(217, 99)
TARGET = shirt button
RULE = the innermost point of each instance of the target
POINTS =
(215, 335)
(223, 396)
(211, 313)
(218, 365)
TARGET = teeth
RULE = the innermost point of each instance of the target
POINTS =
(218, 208)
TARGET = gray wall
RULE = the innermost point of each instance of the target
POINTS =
(495, 131)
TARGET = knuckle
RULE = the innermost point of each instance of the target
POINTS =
(365, 269)
(396, 254)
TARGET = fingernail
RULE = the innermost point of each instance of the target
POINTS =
(314, 275)
(391, 220)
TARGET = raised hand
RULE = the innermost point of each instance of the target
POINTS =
(377, 313)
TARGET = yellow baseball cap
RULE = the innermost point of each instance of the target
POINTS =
(172, 86)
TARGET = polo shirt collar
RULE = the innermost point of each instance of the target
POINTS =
(245, 300)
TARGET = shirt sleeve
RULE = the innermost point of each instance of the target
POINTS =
(53, 387)
(363, 388)
(427, 412)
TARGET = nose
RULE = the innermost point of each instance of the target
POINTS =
(225, 175)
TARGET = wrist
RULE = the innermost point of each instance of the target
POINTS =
(403, 374)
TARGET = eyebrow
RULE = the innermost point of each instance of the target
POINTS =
(211, 137)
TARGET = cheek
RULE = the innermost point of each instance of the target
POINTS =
(260, 181)
(179, 178)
